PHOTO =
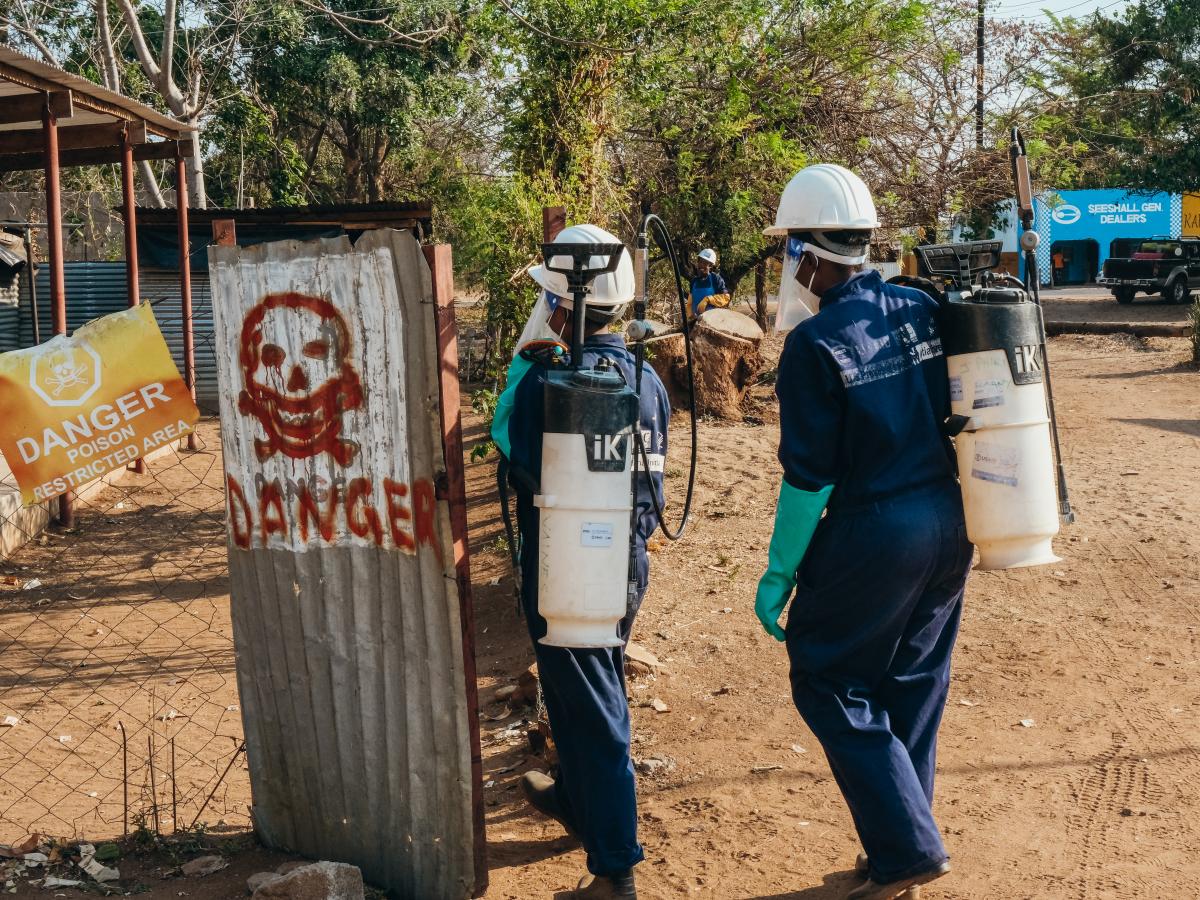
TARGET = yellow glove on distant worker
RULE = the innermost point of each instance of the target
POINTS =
(713, 301)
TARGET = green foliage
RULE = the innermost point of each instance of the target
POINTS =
(484, 403)
(492, 109)
(1123, 108)
(330, 116)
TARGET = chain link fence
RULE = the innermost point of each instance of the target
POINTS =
(118, 696)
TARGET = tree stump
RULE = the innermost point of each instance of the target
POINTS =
(726, 358)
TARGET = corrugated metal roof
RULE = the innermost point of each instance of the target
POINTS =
(108, 104)
(95, 289)
(382, 214)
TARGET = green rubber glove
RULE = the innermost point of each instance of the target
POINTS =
(504, 406)
(796, 518)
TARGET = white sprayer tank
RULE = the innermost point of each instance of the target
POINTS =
(585, 507)
(993, 342)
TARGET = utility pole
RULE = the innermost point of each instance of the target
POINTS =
(979, 77)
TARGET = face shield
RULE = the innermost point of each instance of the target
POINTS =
(537, 326)
(797, 301)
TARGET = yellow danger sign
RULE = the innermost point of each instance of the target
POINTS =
(78, 407)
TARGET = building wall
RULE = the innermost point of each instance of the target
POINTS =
(1101, 215)
(1190, 215)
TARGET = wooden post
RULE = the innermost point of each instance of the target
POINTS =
(224, 232)
(554, 220)
(760, 295)
(58, 283)
(454, 491)
(185, 284)
(129, 209)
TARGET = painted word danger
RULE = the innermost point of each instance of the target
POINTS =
(279, 513)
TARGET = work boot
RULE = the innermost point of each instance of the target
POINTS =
(606, 887)
(895, 889)
(538, 788)
(862, 866)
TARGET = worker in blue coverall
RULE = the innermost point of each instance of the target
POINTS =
(593, 796)
(869, 542)
(708, 290)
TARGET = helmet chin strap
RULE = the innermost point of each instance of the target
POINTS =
(835, 257)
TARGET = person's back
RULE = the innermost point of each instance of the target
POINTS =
(877, 348)
(869, 553)
(525, 428)
(593, 793)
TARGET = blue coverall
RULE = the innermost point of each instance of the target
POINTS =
(584, 689)
(704, 286)
(863, 395)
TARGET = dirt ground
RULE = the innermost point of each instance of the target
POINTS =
(1099, 797)
(1094, 304)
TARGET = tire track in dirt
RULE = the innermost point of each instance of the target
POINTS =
(1120, 788)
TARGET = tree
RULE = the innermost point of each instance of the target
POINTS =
(924, 142)
(332, 105)
(178, 56)
(1121, 104)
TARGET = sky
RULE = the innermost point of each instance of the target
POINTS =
(1032, 10)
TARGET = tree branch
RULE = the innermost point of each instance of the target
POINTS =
(167, 57)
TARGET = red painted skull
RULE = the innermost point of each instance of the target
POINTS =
(295, 358)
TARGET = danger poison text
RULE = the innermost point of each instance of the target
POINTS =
(90, 433)
(295, 514)
(102, 464)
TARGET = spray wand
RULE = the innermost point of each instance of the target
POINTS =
(1029, 243)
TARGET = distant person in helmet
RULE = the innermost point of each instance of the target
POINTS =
(708, 287)
(593, 795)
(870, 543)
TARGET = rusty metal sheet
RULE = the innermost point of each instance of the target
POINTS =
(345, 604)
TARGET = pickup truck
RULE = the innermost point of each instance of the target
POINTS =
(1160, 266)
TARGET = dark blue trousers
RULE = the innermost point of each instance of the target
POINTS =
(869, 634)
(584, 690)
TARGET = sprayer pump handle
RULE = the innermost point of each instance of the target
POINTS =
(580, 254)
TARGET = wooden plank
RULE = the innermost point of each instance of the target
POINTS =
(341, 558)
(72, 137)
(94, 156)
(224, 232)
(19, 108)
(454, 491)
(554, 220)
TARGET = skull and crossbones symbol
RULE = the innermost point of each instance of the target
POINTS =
(298, 381)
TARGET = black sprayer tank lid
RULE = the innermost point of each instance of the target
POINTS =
(1012, 325)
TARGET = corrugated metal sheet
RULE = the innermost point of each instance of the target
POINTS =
(10, 328)
(345, 603)
(95, 289)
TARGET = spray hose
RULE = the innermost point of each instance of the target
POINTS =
(651, 221)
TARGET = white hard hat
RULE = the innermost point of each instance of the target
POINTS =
(822, 198)
(709, 256)
(612, 289)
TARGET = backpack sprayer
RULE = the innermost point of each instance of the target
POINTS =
(584, 497)
(593, 452)
(1001, 400)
